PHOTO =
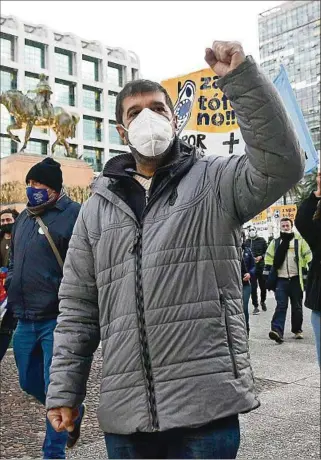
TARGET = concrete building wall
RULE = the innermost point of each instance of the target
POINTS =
(115, 67)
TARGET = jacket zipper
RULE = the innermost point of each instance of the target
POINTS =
(150, 386)
(229, 338)
(146, 197)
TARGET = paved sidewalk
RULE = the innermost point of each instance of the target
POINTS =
(286, 426)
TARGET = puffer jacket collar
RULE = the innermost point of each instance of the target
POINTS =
(113, 181)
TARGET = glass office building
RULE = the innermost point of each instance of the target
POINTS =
(290, 34)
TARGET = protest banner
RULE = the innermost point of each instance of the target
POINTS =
(205, 117)
(281, 211)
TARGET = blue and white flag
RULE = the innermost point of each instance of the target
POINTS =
(282, 84)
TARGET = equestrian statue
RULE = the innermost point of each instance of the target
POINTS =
(39, 112)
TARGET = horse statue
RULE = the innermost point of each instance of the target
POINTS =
(38, 112)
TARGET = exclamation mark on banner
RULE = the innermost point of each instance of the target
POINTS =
(230, 118)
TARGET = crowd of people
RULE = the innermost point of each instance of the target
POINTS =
(150, 267)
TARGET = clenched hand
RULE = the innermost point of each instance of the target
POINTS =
(62, 418)
(224, 57)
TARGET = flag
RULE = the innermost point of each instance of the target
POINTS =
(283, 86)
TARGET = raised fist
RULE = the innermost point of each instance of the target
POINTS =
(224, 57)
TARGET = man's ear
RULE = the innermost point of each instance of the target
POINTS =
(122, 133)
(175, 122)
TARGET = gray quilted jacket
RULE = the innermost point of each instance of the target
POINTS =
(164, 295)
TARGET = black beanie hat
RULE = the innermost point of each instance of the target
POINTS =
(47, 172)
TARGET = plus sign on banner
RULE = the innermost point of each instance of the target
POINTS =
(205, 117)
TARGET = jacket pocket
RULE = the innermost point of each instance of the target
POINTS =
(225, 321)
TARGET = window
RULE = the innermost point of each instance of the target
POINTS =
(8, 79)
(114, 137)
(92, 98)
(36, 147)
(6, 118)
(114, 153)
(7, 46)
(34, 54)
(7, 146)
(94, 157)
(112, 105)
(60, 151)
(64, 61)
(115, 74)
(92, 129)
(135, 74)
(31, 81)
(64, 92)
(90, 68)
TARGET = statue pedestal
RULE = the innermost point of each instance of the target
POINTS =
(14, 168)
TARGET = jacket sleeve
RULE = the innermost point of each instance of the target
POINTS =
(306, 254)
(269, 258)
(308, 229)
(251, 264)
(273, 161)
(77, 334)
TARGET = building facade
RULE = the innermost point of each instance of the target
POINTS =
(290, 34)
(85, 77)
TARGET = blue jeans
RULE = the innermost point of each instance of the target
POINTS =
(246, 298)
(33, 348)
(288, 289)
(216, 440)
(316, 320)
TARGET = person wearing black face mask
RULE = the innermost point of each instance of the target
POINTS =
(287, 260)
(7, 323)
(7, 219)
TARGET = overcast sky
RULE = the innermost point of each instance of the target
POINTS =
(169, 36)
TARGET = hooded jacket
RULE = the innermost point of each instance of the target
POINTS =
(162, 288)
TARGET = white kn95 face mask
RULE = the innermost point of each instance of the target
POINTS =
(150, 133)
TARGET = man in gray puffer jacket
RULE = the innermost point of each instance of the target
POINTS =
(153, 271)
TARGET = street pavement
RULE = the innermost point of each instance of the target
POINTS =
(286, 426)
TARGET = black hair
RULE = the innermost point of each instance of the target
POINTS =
(139, 87)
(13, 212)
(287, 219)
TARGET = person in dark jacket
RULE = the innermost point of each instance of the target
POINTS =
(247, 274)
(7, 220)
(33, 282)
(258, 246)
(308, 223)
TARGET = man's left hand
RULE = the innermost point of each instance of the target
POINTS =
(247, 277)
(224, 57)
